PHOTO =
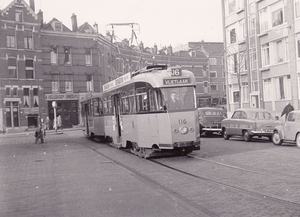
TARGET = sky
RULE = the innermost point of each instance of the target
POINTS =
(160, 22)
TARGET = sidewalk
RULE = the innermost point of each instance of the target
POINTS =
(32, 131)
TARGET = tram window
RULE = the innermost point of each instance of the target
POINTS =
(142, 99)
(131, 101)
(184, 97)
(152, 101)
(125, 103)
(96, 108)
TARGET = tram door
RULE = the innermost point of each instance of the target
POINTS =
(117, 110)
(87, 111)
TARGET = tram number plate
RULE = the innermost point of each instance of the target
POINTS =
(182, 121)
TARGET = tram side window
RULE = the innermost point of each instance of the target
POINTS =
(142, 99)
(152, 101)
(131, 101)
(97, 107)
(125, 103)
(107, 106)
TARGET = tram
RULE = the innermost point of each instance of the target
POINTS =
(150, 110)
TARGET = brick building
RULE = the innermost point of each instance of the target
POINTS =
(45, 62)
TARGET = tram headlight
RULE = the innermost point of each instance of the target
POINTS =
(183, 130)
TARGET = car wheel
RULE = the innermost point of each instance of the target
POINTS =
(276, 138)
(225, 135)
(298, 140)
(246, 136)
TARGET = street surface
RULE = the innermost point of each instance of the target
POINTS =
(70, 175)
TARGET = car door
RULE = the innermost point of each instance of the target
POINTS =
(290, 128)
(232, 125)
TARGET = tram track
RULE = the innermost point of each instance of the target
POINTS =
(259, 195)
(191, 204)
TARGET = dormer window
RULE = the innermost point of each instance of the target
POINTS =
(19, 15)
(57, 26)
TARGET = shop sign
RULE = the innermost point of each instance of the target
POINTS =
(61, 96)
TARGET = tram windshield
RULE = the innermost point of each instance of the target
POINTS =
(179, 98)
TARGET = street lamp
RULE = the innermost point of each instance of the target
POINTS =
(54, 106)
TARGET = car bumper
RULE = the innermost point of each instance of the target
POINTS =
(261, 133)
(211, 129)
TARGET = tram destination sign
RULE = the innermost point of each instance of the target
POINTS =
(176, 81)
(118, 81)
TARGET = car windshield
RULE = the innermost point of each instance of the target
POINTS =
(213, 113)
(260, 116)
(179, 98)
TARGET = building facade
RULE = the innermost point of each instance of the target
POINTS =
(262, 53)
(45, 62)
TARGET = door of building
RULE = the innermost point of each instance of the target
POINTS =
(12, 114)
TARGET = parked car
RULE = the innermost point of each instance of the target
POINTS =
(210, 120)
(288, 131)
(249, 122)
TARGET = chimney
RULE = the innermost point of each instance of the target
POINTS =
(74, 22)
(141, 46)
(155, 49)
(170, 50)
(31, 4)
(41, 18)
(96, 27)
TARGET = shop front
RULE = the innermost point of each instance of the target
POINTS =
(67, 108)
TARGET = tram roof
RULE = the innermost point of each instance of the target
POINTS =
(156, 76)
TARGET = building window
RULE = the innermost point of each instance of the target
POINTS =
(236, 96)
(15, 91)
(212, 61)
(55, 83)
(12, 68)
(267, 87)
(242, 30)
(235, 63)
(53, 54)
(7, 91)
(297, 8)
(232, 36)
(29, 68)
(265, 55)
(283, 88)
(213, 87)
(279, 52)
(89, 83)
(88, 56)
(28, 43)
(11, 41)
(213, 74)
(205, 86)
(26, 97)
(231, 6)
(19, 15)
(67, 54)
(69, 83)
(35, 97)
(277, 17)
(245, 94)
(263, 20)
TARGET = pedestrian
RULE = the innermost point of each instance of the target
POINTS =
(47, 123)
(59, 123)
(287, 109)
(39, 134)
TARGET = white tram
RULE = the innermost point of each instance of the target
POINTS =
(150, 110)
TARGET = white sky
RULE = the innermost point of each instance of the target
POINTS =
(162, 22)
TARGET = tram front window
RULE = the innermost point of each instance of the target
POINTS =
(179, 98)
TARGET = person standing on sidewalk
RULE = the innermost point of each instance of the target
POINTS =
(59, 123)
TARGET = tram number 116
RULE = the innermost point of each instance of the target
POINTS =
(182, 121)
